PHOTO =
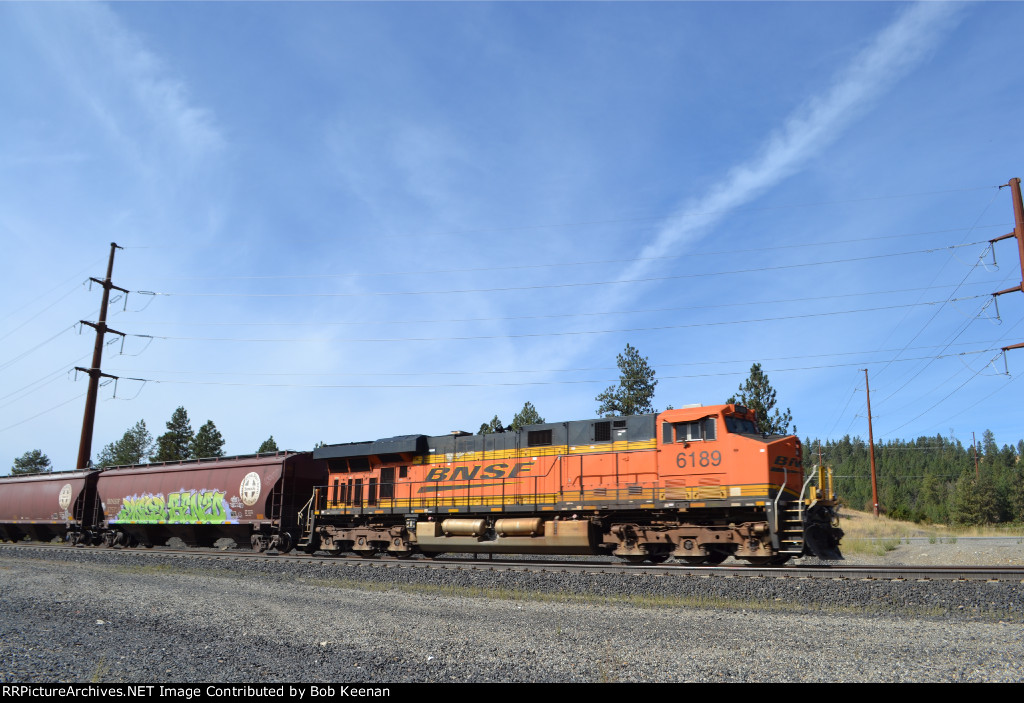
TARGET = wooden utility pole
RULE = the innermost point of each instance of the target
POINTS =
(871, 445)
(85, 443)
(1018, 233)
(974, 448)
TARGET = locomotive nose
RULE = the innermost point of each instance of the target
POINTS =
(785, 463)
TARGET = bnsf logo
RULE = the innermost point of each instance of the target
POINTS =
(465, 473)
(788, 462)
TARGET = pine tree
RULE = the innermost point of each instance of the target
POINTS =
(207, 443)
(174, 444)
(269, 445)
(635, 391)
(527, 416)
(758, 395)
(974, 501)
(31, 462)
(132, 448)
(492, 427)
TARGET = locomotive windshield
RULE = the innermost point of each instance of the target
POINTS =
(740, 425)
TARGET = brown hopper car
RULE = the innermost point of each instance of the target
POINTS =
(45, 506)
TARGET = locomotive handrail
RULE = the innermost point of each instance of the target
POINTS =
(778, 495)
(302, 515)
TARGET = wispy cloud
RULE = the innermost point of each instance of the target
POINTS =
(892, 54)
(140, 104)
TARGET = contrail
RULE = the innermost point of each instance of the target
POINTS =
(895, 51)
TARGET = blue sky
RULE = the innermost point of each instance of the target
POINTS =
(365, 220)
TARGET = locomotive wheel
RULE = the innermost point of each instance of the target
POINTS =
(715, 557)
(774, 560)
(694, 561)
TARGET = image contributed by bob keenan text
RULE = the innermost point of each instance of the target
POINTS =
(254, 692)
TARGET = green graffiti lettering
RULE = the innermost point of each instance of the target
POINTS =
(174, 511)
(157, 509)
(205, 506)
(213, 507)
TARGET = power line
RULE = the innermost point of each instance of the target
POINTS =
(561, 285)
(489, 372)
(59, 405)
(944, 398)
(59, 285)
(351, 340)
(507, 318)
(44, 380)
(485, 372)
(9, 362)
(675, 216)
(36, 316)
(449, 384)
(565, 264)
(964, 280)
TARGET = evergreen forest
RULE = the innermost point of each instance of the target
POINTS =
(933, 479)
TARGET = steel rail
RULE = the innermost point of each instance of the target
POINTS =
(1007, 573)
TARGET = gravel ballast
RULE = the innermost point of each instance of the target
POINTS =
(108, 616)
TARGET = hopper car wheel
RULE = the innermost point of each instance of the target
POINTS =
(659, 558)
(635, 558)
(284, 544)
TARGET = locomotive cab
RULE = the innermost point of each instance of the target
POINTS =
(722, 468)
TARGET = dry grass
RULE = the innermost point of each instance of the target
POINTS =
(864, 526)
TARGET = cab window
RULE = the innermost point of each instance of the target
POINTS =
(702, 430)
(740, 425)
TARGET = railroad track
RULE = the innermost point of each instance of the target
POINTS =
(835, 572)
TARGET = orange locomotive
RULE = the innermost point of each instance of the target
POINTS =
(698, 483)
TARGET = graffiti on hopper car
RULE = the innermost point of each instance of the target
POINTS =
(205, 506)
